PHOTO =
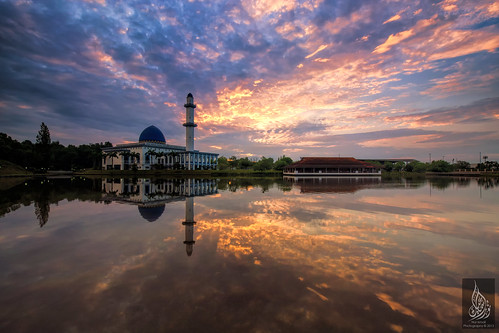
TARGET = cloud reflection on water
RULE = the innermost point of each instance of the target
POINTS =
(406, 245)
(388, 257)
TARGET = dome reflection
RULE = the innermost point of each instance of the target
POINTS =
(152, 195)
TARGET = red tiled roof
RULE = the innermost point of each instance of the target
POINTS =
(317, 162)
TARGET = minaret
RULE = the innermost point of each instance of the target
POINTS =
(189, 123)
(189, 220)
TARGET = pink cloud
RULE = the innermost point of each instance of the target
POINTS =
(455, 83)
(392, 40)
(393, 18)
(413, 141)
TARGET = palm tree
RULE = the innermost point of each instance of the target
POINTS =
(135, 156)
(126, 154)
(151, 152)
(174, 156)
(160, 155)
(112, 155)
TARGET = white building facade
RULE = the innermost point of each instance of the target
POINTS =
(152, 151)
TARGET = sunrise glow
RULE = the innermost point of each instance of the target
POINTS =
(364, 78)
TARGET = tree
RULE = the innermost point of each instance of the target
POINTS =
(399, 166)
(415, 166)
(112, 155)
(45, 153)
(232, 162)
(42, 210)
(175, 159)
(223, 164)
(491, 165)
(388, 166)
(42, 147)
(43, 137)
(135, 157)
(282, 162)
(245, 163)
(461, 165)
(59, 157)
(440, 166)
(377, 163)
(16, 152)
(264, 164)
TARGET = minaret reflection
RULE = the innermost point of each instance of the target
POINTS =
(190, 190)
(153, 195)
(189, 225)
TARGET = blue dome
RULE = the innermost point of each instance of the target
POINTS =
(152, 134)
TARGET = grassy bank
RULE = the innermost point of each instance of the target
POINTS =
(8, 169)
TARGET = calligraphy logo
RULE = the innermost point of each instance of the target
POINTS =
(478, 306)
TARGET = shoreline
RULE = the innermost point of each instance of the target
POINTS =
(147, 173)
(228, 173)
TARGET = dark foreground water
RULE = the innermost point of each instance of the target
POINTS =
(339, 254)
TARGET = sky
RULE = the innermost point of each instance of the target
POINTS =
(368, 79)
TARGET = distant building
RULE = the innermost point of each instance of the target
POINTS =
(152, 151)
(331, 166)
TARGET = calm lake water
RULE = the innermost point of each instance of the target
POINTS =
(265, 255)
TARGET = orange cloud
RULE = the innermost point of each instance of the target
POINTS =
(456, 43)
(236, 56)
(392, 40)
(320, 48)
(413, 141)
(257, 9)
(393, 18)
(100, 2)
(449, 5)
(360, 243)
(454, 83)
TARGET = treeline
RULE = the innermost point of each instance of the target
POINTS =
(264, 163)
(268, 163)
(436, 166)
(46, 193)
(46, 155)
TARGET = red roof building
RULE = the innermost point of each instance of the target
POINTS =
(331, 166)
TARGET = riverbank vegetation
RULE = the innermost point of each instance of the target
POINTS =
(28, 158)
(437, 166)
(263, 164)
(45, 154)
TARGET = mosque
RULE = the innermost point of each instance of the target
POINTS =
(152, 151)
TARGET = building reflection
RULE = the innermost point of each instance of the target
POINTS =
(152, 196)
(333, 184)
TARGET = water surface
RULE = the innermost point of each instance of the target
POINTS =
(265, 255)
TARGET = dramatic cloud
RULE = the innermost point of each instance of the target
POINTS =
(269, 77)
